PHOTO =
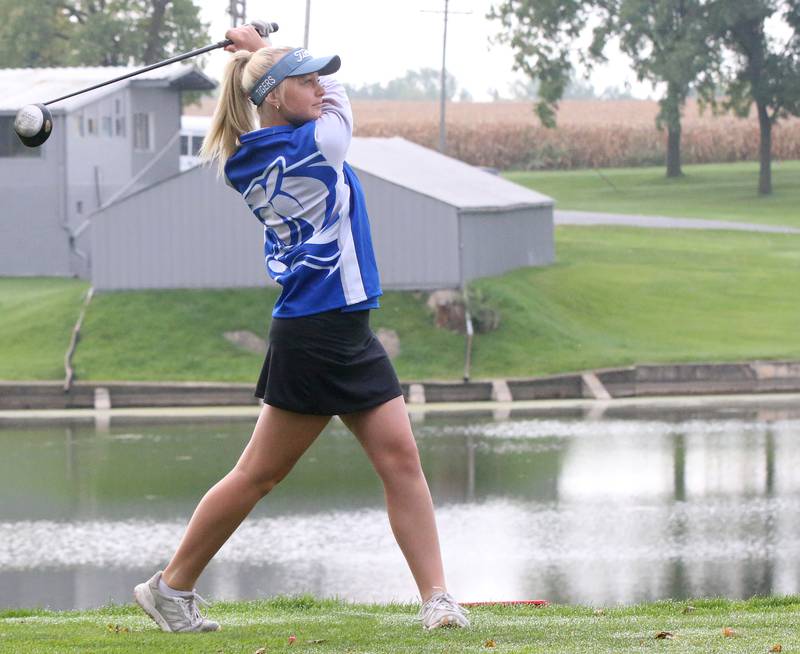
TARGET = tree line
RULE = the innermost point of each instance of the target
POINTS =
(55, 33)
(719, 49)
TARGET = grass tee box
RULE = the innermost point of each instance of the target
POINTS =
(303, 624)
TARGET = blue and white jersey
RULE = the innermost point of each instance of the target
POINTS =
(317, 242)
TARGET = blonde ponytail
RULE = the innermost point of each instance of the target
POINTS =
(235, 114)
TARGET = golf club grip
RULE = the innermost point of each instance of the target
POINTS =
(262, 27)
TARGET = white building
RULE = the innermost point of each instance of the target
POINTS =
(193, 130)
(121, 136)
(114, 195)
(436, 223)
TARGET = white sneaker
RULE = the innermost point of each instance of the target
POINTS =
(172, 613)
(441, 610)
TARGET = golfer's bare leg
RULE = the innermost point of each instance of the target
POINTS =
(278, 440)
(385, 433)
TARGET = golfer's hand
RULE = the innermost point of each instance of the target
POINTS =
(245, 37)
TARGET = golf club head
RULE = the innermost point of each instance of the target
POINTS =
(33, 124)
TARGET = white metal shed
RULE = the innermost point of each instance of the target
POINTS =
(101, 140)
(436, 223)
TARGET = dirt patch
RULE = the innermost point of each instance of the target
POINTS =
(247, 341)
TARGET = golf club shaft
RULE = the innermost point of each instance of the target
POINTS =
(270, 27)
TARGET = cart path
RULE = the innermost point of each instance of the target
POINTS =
(663, 222)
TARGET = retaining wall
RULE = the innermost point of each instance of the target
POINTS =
(634, 381)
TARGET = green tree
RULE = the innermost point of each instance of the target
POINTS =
(541, 33)
(98, 32)
(576, 89)
(420, 84)
(32, 34)
(667, 41)
(766, 70)
(664, 38)
(616, 93)
(579, 89)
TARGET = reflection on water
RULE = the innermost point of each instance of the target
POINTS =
(619, 508)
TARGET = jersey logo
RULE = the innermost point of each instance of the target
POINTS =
(292, 208)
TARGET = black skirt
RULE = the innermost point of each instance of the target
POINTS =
(326, 364)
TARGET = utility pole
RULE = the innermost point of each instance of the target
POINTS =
(443, 82)
(308, 21)
(443, 94)
(238, 12)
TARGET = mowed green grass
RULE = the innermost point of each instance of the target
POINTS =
(326, 626)
(713, 191)
(171, 335)
(179, 335)
(36, 320)
(615, 296)
(620, 296)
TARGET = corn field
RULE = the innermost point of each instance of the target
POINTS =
(590, 133)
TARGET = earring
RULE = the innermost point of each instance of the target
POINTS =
(277, 107)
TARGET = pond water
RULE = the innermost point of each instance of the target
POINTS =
(571, 506)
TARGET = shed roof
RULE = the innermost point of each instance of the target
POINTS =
(23, 86)
(431, 173)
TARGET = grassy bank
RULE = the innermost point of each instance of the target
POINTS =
(178, 335)
(714, 191)
(36, 320)
(619, 296)
(707, 626)
(615, 296)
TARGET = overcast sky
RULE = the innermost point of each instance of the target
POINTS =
(379, 40)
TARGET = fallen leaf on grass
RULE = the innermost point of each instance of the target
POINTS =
(115, 628)
(776, 648)
(688, 609)
(728, 632)
(317, 641)
(599, 611)
(490, 643)
(662, 635)
(261, 650)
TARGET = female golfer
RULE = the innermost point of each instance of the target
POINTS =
(323, 359)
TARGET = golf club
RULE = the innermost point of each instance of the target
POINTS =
(34, 122)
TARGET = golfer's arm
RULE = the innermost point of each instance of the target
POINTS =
(335, 126)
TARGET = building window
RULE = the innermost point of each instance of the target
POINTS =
(79, 123)
(91, 126)
(197, 143)
(117, 106)
(10, 145)
(107, 126)
(184, 145)
(142, 132)
(119, 128)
